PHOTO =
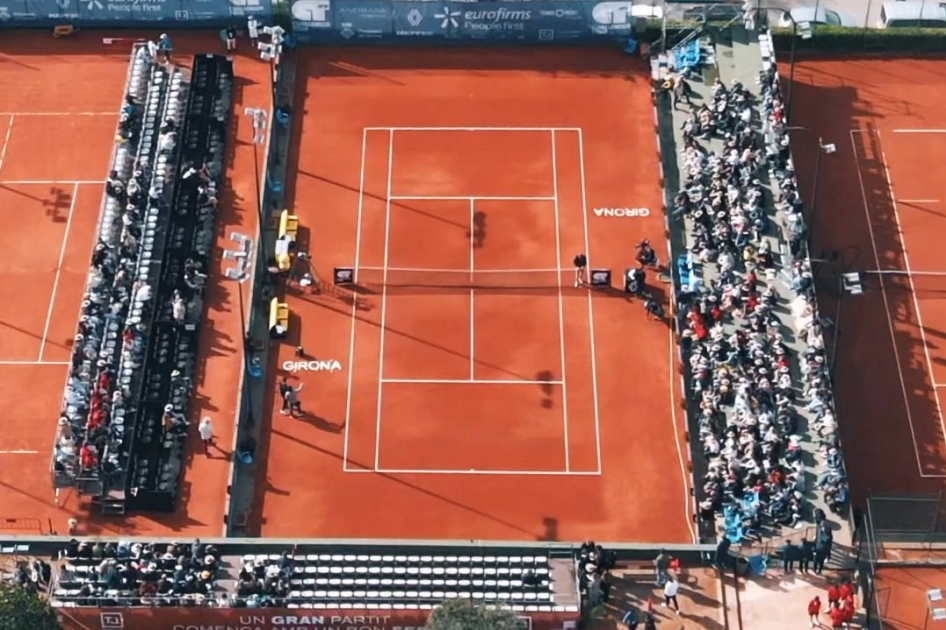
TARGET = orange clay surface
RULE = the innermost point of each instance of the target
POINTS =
(58, 112)
(901, 596)
(881, 205)
(526, 409)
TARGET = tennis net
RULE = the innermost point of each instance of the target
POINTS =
(498, 279)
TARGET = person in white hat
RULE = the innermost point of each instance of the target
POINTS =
(206, 431)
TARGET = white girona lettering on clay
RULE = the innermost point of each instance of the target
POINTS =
(312, 366)
(622, 212)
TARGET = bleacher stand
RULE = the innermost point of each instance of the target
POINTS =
(178, 268)
(318, 580)
(136, 574)
(123, 419)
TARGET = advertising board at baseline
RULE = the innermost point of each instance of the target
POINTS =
(205, 618)
(386, 21)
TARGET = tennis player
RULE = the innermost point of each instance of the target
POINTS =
(581, 270)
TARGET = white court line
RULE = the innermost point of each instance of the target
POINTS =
(62, 255)
(38, 182)
(479, 271)
(115, 114)
(883, 293)
(898, 272)
(472, 303)
(384, 299)
(917, 200)
(561, 311)
(6, 141)
(544, 129)
(19, 452)
(354, 302)
(591, 313)
(449, 381)
(916, 301)
(59, 363)
(911, 130)
(465, 197)
(436, 471)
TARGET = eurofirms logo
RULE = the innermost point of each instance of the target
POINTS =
(493, 19)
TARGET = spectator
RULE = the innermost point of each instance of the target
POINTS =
(814, 609)
(206, 434)
(789, 555)
(661, 567)
(671, 588)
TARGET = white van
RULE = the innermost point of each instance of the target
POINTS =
(913, 14)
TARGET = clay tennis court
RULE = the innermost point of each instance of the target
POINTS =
(58, 114)
(882, 208)
(470, 391)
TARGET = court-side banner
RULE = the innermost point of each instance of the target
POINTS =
(386, 21)
(170, 13)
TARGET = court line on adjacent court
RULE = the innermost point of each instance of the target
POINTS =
(472, 299)
(58, 363)
(19, 452)
(911, 130)
(451, 381)
(62, 256)
(115, 114)
(917, 200)
(591, 313)
(6, 142)
(441, 471)
(886, 300)
(467, 197)
(561, 307)
(542, 129)
(384, 298)
(461, 271)
(916, 301)
(48, 182)
(354, 302)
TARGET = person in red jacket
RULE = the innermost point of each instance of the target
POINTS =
(834, 595)
(847, 611)
(837, 617)
(814, 609)
(846, 590)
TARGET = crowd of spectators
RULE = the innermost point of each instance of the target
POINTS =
(595, 564)
(813, 365)
(111, 340)
(738, 352)
(137, 573)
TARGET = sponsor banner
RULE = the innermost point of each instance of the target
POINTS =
(175, 13)
(330, 365)
(204, 618)
(631, 213)
(360, 21)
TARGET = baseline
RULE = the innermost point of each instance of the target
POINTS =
(393, 129)
(471, 381)
(465, 198)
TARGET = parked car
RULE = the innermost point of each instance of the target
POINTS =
(816, 15)
(722, 12)
(912, 14)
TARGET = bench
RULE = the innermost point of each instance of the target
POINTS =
(288, 232)
(278, 319)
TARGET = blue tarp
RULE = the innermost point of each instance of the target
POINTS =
(170, 13)
(393, 21)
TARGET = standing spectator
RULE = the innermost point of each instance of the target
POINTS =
(670, 593)
(206, 431)
(230, 35)
(165, 47)
(834, 595)
(846, 590)
(789, 555)
(814, 609)
(822, 551)
(252, 29)
(722, 554)
(805, 553)
(661, 567)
